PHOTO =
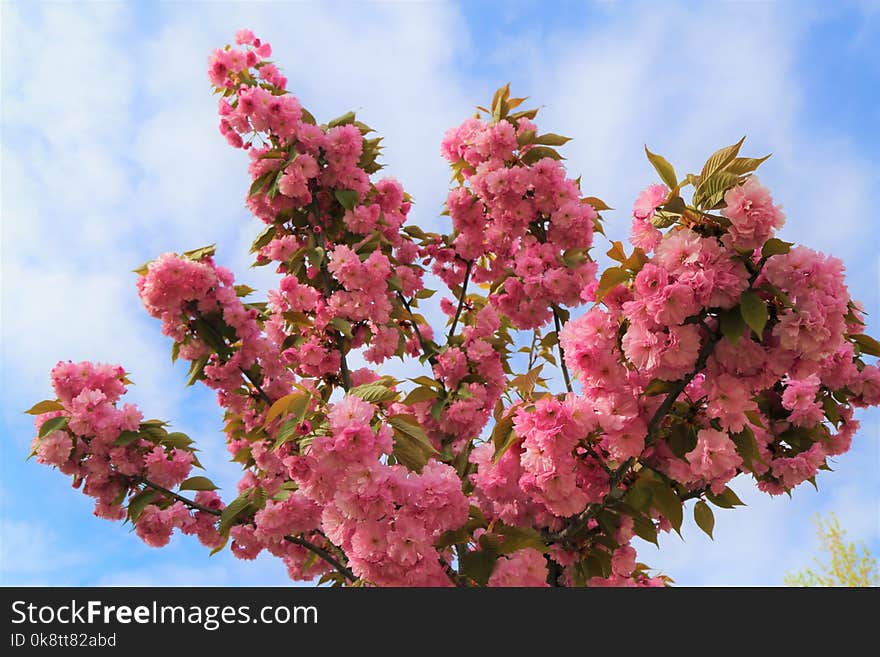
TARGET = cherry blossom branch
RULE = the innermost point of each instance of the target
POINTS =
(453, 576)
(328, 284)
(257, 386)
(188, 502)
(296, 540)
(461, 298)
(429, 353)
(558, 322)
(323, 554)
(624, 468)
(221, 340)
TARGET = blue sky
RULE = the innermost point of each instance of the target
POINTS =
(110, 156)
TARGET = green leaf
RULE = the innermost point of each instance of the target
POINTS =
(230, 514)
(754, 312)
(732, 324)
(283, 405)
(526, 137)
(420, 394)
(139, 502)
(538, 153)
(676, 205)
(704, 517)
(596, 203)
(198, 483)
(518, 538)
(223, 544)
(342, 325)
(551, 139)
(412, 447)
(682, 439)
(668, 503)
(755, 418)
(126, 438)
(197, 370)
(832, 412)
(663, 168)
(638, 496)
(45, 406)
(775, 246)
(347, 198)
(261, 182)
(742, 165)
(867, 344)
(713, 189)
(178, 440)
(478, 565)
(200, 253)
(285, 432)
(645, 528)
(345, 119)
(611, 278)
(373, 392)
(726, 500)
(658, 387)
(54, 424)
(719, 160)
(143, 269)
(263, 238)
(747, 447)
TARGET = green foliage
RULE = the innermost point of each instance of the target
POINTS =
(846, 565)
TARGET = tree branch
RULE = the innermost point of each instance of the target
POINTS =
(323, 554)
(318, 231)
(297, 540)
(461, 299)
(595, 509)
(562, 365)
(188, 502)
(432, 358)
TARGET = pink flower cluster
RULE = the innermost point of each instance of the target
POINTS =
(88, 446)
(670, 313)
(384, 517)
(201, 311)
(753, 217)
(474, 374)
(301, 173)
(527, 216)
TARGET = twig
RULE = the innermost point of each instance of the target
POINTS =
(323, 554)
(461, 299)
(297, 540)
(432, 358)
(562, 365)
(317, 230)
(188, 502)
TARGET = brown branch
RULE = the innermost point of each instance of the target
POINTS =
(317, 230)
(297, 540)
(461, 299)
(430, 353)
(188, 502)
(453, 576)
(323, 554)
(562, 365)
(257, 386)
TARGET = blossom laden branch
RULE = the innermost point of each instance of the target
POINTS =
(711, 350)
